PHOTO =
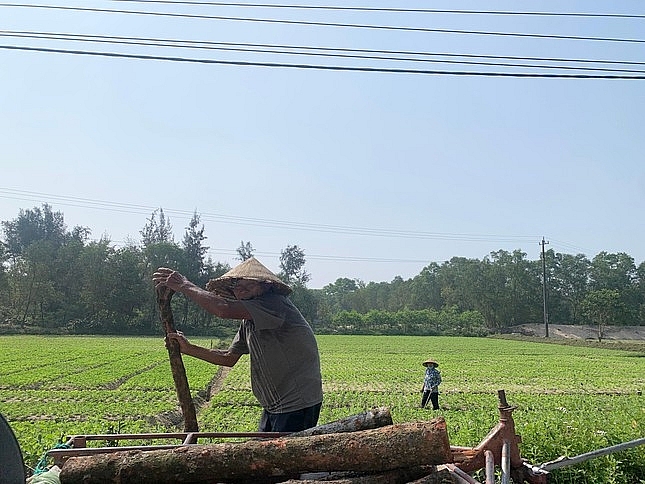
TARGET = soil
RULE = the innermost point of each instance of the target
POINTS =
(582, 332)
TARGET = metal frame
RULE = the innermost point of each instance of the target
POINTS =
(501, 448)
(76, 445)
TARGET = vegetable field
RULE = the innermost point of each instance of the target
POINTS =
(570, 399)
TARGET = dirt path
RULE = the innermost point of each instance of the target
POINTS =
(174, 418)
(586, 332)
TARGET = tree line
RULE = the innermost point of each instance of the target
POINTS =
(55, 279)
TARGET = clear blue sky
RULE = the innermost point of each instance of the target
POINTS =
(373, 174)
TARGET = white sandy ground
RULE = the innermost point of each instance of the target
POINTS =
(613, 333)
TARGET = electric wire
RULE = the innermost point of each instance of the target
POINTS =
(121, 207)
(386, 9)
(311, 51)
(252, 221)
(327, 24)
(325, 67)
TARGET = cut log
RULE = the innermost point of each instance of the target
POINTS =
(417, 475)
(376, 450)
(164, 296)
(371, 419)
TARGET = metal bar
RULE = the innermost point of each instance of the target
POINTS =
(461, 476)
(566, 461)
(81, 440)
(490, 467)
(506, 462)
(78, 443)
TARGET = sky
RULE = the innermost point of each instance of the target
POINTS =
(374, 174)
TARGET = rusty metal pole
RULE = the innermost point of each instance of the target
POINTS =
(506, 462)
(490, 467)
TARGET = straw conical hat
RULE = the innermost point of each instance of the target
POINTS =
(430, 362)
(250, 270)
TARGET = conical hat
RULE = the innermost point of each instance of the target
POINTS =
(250, 270)
(430, 362)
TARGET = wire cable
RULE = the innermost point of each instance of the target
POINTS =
(385, 9)
(308, 51)
(268, 223)
(328, 24)
(324, 67)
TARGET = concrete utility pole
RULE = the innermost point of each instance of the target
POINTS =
(544, 306)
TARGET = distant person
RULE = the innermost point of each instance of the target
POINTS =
(285, 364)
(431, 383)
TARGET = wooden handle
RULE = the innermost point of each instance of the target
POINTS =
(164, 296)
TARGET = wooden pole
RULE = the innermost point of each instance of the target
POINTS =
(376, 450)
(164, 296)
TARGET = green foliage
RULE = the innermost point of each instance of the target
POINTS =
(570, 399)
(429, 322)
(292, 262)
(53, 280)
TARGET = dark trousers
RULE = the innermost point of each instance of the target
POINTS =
(433, 397)
(290, 421)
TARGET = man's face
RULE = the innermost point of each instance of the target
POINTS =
(246, 289)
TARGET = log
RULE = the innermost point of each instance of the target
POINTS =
(371, 419)
(376, 450)
(417, 475)
(164, 296)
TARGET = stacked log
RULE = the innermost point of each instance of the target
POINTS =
(407, 450)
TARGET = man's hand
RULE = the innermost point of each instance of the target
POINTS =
(169, 278)
(180, 339)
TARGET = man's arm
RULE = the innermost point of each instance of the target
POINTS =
(207, 300)
(215, 356)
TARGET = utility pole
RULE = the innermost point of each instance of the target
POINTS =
(544, 305)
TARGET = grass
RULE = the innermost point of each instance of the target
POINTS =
(570, 399)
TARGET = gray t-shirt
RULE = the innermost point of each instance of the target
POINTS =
(285, 365)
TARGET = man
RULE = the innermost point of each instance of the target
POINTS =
(285, 364)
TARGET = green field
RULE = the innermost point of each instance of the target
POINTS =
(570, 399)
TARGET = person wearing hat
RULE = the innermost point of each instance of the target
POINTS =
(285, 363)
(431, 383)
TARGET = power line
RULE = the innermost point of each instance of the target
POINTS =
(335, 49)
(121, 207)
(324, 67)
(269, 223)
(327, 24)
(385, 9)
(313, 51)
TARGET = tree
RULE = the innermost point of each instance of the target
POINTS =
(603, 307)
(292, 261)
(640, 271)
(425, 289)
(568, 283)
(193, 268)
(245, 251)
(618, 272)
(128, 288)
(5, 288)
(517, 298)
(335, 297)
(35, 225)
(40, 252)
(154, 231)
(160, 254)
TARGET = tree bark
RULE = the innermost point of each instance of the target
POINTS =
(164, 296)
(372, 419)
(409, 475)
(375, 450)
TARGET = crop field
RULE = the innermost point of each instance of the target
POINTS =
(570, 400)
